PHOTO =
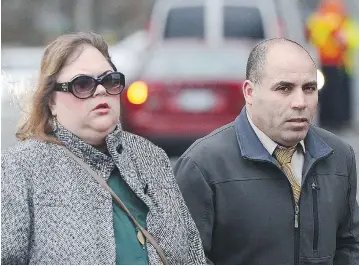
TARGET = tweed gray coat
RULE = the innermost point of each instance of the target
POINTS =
(54, 212)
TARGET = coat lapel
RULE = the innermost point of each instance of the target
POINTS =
(316, 150)
(250, 145)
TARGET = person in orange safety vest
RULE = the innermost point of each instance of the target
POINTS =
(335, 36)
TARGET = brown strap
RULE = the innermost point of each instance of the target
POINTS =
(122, 205)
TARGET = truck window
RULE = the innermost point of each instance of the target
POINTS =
(242, 22)
(185, 22)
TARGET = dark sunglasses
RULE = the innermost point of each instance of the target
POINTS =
(83, 86)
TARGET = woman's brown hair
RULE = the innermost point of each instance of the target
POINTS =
(37, 123)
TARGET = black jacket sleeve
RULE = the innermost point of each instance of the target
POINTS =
(198, 196)
(347, 251)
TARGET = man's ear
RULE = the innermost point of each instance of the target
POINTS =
(248, 88)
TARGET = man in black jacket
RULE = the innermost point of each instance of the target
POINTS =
(270, 188)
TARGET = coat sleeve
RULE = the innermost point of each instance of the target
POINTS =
(347, 251)
(15, 214)
(199, 198)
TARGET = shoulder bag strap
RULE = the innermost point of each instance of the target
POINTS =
(121, 204)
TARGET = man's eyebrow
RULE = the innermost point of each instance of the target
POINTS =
(283, 83)
(310, 83)
(291, 84)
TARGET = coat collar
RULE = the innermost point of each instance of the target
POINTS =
(252, 148)
(119, 155)
(99, 161)
(267, 142)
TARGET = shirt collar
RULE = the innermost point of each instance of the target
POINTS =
(267, 142)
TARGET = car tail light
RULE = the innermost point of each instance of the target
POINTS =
(137, 92)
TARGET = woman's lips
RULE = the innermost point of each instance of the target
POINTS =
(102, 106)
(102, 109)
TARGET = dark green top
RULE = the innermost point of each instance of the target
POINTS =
(128, 249)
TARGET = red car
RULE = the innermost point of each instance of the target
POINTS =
(184, 92)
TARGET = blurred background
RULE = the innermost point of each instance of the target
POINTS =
(184, 61)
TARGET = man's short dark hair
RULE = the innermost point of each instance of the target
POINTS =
(257, 58)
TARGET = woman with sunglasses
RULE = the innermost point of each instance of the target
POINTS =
(57, 207)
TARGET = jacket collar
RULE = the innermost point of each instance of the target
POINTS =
(119, 155)
(252, 148)
(99, 161)
(267, 142)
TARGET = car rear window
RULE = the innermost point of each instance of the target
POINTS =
(242, 22)
(185, 22)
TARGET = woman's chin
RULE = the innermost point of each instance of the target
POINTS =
(106, 125)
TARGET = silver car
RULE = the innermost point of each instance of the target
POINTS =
(216, 21)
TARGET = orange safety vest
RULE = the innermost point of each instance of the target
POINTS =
(324, 31)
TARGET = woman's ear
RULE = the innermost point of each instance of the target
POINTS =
(52, 105)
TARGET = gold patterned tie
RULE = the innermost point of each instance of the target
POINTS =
(284, 158)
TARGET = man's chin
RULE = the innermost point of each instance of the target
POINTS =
(295, 137)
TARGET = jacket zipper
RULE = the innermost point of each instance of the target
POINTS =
(296, 233)
(315, 189)
(296, 224)
(296, 215)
